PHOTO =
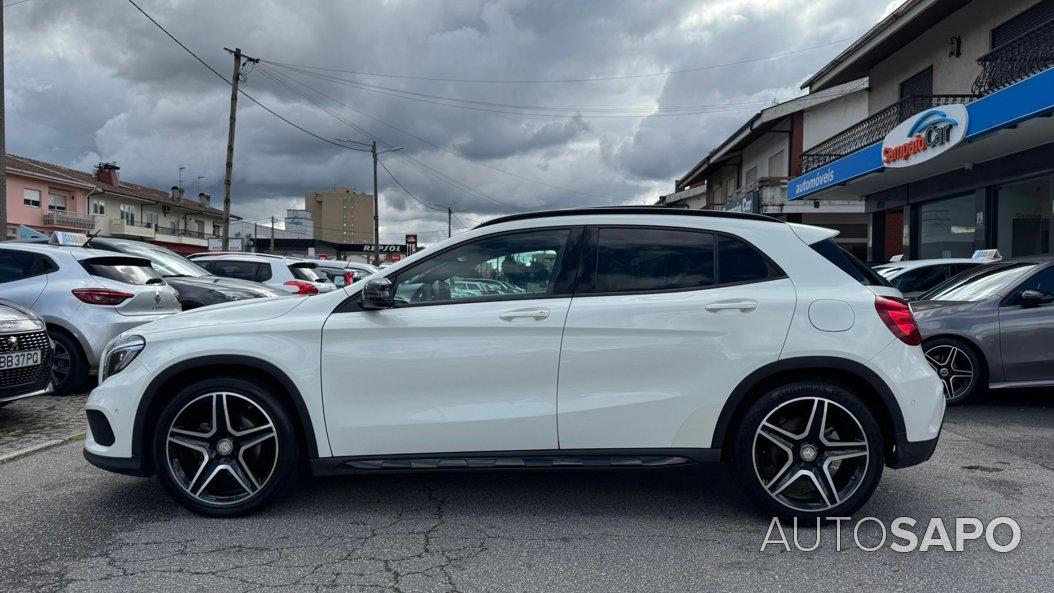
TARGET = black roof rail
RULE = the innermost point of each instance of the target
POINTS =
(629, 210)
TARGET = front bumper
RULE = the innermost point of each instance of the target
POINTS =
(11, 398)
(116, 401)
(132, 466)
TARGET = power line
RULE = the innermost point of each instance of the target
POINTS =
(224, 79)
(9, 5)
(446, 150)
(408, 192)
(570, 80)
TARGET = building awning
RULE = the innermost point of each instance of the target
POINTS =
(1011, 120)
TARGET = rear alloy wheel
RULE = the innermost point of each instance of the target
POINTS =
(225, 447)
(957, 367)
(809, 449)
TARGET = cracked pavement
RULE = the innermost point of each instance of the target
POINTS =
(70, 527)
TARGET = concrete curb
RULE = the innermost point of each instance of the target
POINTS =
(40, 447)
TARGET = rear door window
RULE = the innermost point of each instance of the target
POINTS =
(242, 270)
(18, 265)
(123, 269)
(307, 273)
(647, 260)
(738, 262)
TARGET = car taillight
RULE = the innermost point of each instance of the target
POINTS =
(101, 296)
(897, 316)
(302, 287)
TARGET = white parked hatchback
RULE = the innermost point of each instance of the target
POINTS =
(636, 337)
(289, 274)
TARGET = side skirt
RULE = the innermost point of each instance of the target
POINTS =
(504, 460)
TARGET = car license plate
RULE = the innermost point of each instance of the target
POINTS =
(14, 360)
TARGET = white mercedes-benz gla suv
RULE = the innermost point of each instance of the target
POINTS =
(627, 337)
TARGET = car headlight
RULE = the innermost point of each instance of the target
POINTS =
(119, 353)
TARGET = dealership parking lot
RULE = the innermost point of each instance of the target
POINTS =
(70, 527)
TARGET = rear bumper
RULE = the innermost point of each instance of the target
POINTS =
(908, 453)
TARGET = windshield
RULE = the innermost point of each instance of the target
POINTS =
(978, 287)
(308, 273)
(165, 262)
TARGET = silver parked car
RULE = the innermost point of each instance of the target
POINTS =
(915, 277)
(25, 354)
(991, 327)
(85, 296)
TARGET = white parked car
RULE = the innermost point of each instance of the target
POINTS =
(914, 277)
(86, 297)
(342, 273)
(289, 274)
(643, 338)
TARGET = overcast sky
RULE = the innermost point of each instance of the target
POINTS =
(94, 80)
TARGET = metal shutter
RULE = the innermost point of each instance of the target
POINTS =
(1022, 23)
(919, 85)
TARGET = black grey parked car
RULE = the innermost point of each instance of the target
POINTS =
(991, 327)
(25, 354)
(196, 286)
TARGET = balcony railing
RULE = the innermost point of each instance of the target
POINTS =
(868, 131)
(1026, 55)
(70, 220)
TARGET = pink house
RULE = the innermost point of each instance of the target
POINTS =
(43, 197)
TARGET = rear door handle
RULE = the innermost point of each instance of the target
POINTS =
(743, 306)
(535, 314)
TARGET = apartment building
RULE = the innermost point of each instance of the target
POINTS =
(955, 151)
(341, 215)
(48, 197)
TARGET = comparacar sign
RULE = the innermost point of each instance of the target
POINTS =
(924, 136)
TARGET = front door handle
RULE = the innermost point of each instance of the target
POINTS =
(535, 314)
(741, 305)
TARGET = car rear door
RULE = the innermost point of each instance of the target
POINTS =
(446, 372)
(23, 276)
(664, 323)
(1026, 334)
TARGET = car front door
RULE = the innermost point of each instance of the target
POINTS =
(664, 324)
(1026, 334)
(448, 370)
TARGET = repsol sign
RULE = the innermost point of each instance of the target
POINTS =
(924, 136)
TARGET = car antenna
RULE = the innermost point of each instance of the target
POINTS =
(90, 237)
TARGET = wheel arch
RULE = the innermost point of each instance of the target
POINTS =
(847, 373)
(250, 368)
(78, 338)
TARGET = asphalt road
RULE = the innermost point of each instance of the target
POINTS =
(69, 527)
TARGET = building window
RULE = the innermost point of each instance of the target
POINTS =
(1023, 218)
(946, 228)
(128, 214)
(31, 197)
(174, 224)
(200, 224)
(751, 176)
(58, 201)
(98, 206)
(150, 218)
(778, 165)
(920, 85)
(1023, 23)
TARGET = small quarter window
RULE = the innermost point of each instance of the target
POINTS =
(739, 262)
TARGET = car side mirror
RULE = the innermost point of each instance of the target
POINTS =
(378, 294)
(1035, 298)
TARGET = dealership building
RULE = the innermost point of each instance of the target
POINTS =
(956, 151)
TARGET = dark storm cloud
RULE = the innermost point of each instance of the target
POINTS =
(94, 80)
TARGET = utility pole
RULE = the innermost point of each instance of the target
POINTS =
(235, 79)
(272, 234)
(256, 238)
(376, 210)
(3, 143)
(449, 227)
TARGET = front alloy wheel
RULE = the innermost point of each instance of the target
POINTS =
(225, 447)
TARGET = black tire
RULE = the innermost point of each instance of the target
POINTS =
(855, 470)
(958, 389)
(242, 396)
(69, 366)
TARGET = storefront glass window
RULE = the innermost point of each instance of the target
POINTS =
(946, 227)
(1023, 212)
